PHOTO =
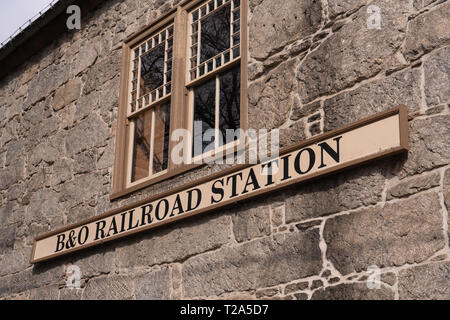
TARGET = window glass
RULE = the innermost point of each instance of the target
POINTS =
(152, 70)
(204, 113)
(162, 138)
(215, 33)
(141, 147)
(229, 101)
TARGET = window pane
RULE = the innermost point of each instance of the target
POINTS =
(152, 70)
(229, 107)
(215, 33)
(162, 136)
(141, 148)
(204, 111)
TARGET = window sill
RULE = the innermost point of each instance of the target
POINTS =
(155, 180)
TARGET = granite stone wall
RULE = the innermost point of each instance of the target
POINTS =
(315, 65)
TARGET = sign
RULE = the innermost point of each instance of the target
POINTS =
(372, 138)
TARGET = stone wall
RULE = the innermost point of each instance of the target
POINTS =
(314, 66)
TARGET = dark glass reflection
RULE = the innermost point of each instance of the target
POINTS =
(152, 70)
(161, 140)
(204, 111)
(229, 107)
(141, 147)
(215, 33)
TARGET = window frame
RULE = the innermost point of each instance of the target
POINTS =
(181, 89)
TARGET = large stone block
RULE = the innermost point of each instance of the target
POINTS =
(354, 53)
(88, 133)
(176, 242)
(45, 293)
(7, 238)
(337, 7)
(427, 32)
(82, 187)
(344, 191)
(407, 188)
(429, 145)
(437, 77)
(260, 263)
(402, 88)
(430, 282)
(102, 72)
(446, 189)
(86, 105)
(408, 231)
(93, 262)
(15, 261)
(67, 94)
(271, 98)
(155, 285)
(353, 291)
(47, 81)
(272, 25)
(12, 174)
(85, 58)
(251, 222)
(45, 209)
(109, 288)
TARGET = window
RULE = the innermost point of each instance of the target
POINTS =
(185, 71)
(214, 55)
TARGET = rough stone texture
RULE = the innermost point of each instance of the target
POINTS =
(67, 94)
(337, 7)
(430, 282)
(447, 190)
(414, 185)
(349, 190)
(429, 145)
(153, 286)
(402, 88)
(45, 293)
(273, 26)
(177, 242)
(353, 291)
(427, 31)
(409, 231)
(251, 223)
(259, 263)
(437, 77)
(89, 133)
(341, 61)
(270, 98)
(109, 288)
(296, 287)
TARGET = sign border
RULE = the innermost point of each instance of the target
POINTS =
(402, 111)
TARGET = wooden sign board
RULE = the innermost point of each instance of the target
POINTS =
(372, 138)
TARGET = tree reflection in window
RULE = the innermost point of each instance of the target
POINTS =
(151, 141)
(215, 33)
(205, 108)
(141, 148)
(152, 70)
(229, 105)
(204, 112)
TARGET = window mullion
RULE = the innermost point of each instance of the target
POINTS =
(179, 112)
(152, 143)
(217, 110)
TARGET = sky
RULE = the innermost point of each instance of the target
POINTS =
(14, 13)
